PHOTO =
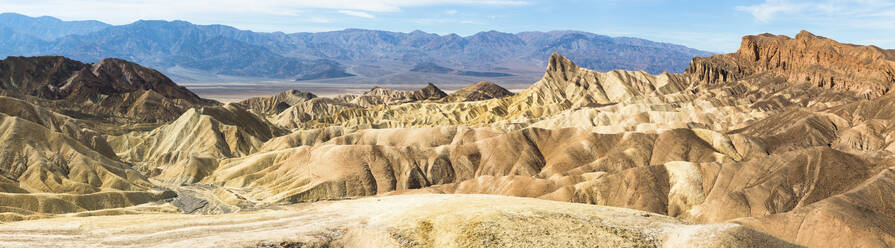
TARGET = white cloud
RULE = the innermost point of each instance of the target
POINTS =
(357, 13)
(451, 12)
(766, 11)
(858, 12)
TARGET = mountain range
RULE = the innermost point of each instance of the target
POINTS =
(188, 52)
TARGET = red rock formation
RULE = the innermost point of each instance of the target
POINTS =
(822, 62)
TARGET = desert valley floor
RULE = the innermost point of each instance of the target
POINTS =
(787, 142)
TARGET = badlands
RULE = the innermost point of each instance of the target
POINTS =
(787, 142)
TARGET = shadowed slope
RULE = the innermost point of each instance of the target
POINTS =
(47, 172)
(111, 89)
(191, 145)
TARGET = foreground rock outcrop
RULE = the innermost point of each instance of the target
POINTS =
(45, 171)
(396, 221)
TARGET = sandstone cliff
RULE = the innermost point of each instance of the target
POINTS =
(807, 58)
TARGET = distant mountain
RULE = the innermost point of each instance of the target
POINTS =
(430, 67)
(48, 28)
(177, 46)
(215, 49)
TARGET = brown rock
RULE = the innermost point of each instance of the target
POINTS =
(275, 104)
(112, 89)
(483, 90)
(819, 61)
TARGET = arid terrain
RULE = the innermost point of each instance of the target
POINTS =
(787, 142)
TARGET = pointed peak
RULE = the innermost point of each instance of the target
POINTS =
(432, 92)
(557, 59)
(561, 67)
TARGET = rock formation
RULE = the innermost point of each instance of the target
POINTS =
(483, 90)
(380, 96)
(819, 61)
(191, 145)
(111, 89)
(787, 142)
(45, 171)
(276, 104)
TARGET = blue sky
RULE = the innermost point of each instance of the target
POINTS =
(709, 25)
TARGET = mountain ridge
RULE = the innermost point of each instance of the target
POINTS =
(41, 27)
(335, 54)
(107, 90)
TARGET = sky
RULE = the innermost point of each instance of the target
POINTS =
(715, 26)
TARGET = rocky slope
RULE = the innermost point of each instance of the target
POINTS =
(190, 146)
(567, 96)
(111, 89)
(47, 170)
(276, 104)
(477, 92)
(819, 61)
(381, 96)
